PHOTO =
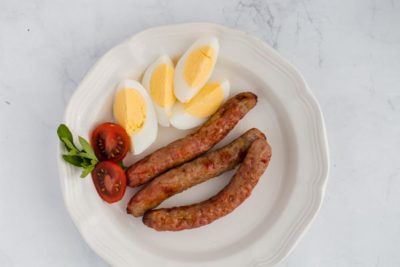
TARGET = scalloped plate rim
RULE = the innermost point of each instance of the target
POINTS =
(313, 209)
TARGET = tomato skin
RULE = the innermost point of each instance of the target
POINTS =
(109, 180)
(110, 142)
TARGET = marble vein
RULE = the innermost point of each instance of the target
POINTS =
(261, 14)
(317, 30)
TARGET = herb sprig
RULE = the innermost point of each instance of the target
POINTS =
(84, 158)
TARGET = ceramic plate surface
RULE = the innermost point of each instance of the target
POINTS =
(260, 232)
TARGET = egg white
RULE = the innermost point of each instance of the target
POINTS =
(183, 91)
(143, 138)
(183, 120)
(163, 113)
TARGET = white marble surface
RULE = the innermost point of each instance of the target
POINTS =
(348, 51)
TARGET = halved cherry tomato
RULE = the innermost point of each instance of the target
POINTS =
(110, 142)
(110, 181)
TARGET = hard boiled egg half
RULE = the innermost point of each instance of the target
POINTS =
(195, 112)
(134, 111)
(158, 79)
(194, 68)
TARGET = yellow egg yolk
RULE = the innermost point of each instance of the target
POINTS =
(206, 102)
(130, 110)
(162, 85)
(198, 65)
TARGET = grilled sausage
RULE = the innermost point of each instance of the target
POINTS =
(192, 173)
(229, 198)
(189, 147)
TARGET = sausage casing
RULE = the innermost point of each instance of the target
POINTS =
(192, 173)
(193, 145)
(229, 198)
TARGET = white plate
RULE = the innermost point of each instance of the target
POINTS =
(264, 229)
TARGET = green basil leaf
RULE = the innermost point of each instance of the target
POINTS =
(74, 160)
(64, 132)
(86, 171)
(87, 156)
(69, 145)
(84, 158)
(73, 153)
(87, 147)
(86, 162)
(121, 164)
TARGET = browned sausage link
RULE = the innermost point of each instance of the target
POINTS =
(192, 173)
(185, 149)
(229, 198)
